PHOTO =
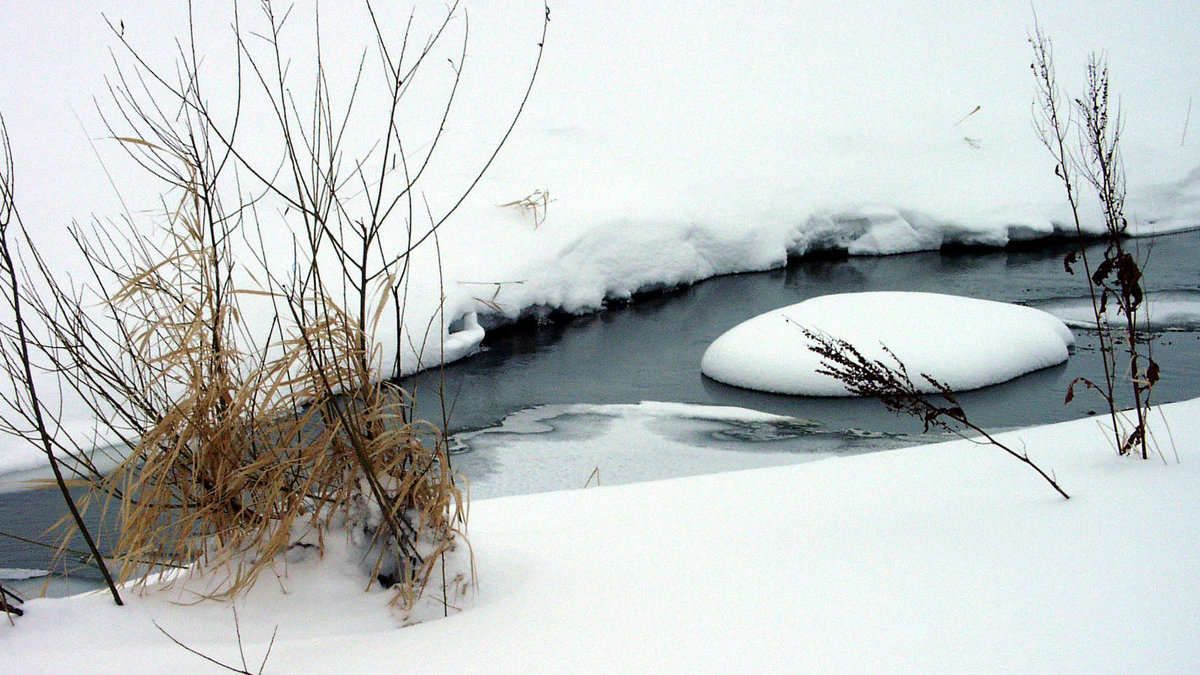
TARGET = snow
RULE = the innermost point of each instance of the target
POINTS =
(677, 146)
(835, 128)
(21, 462)
(20, 574)
(966, 343)
(943, 557)
(19, 458)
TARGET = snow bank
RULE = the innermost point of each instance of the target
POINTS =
(19, 458)
(963, 342)
(20, 574)
(952, 556)
(1169, 206)
(21, 461)
(578, 267)
(667, 164)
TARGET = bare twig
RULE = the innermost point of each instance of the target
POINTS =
(245, 669)
(20, 371)
(9, 602)
(891, 384)
(1117, 279)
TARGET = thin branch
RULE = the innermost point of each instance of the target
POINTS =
(891, 384)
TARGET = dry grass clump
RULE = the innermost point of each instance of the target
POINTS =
(536, 203)
(258, 451)
(248, 390)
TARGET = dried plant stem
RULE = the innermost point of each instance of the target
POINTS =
(1051, 123)
(9, 602)
(20, 373)
(245, 668)
(1117, 278)
(890, 384)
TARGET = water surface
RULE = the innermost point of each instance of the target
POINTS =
(650, 349)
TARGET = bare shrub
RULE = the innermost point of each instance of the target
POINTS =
(249, 438)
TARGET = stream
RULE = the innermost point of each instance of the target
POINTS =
(553, 404)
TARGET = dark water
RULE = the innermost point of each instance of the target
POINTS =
(650, 349)
(33, 515)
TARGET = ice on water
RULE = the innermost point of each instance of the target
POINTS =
(1166, 311)
(560, 447)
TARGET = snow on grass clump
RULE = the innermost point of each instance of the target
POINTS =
(965, 343)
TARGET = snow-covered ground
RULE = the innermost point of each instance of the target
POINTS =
(676, 145)
(965, 343)
(948, 557)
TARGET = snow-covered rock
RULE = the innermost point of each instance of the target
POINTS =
(965, 343)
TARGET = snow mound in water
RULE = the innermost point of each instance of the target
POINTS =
(964, 342)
